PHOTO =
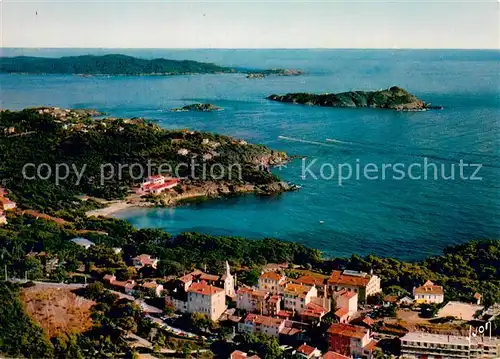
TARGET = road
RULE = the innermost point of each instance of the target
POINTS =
(174, 330)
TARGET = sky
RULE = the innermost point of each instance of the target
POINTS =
(255, 24)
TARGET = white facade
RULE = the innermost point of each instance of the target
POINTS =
(255, 323)
(418, 345)
(205, 299)
(297, 296)
(271, 282)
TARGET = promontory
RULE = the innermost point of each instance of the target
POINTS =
(394, 98)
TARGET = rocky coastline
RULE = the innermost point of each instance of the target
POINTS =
(394, 98)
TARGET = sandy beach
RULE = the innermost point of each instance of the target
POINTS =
(111, 208)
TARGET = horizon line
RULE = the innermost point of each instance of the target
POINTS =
(251, 48)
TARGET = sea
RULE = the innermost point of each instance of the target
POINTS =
(408, 218)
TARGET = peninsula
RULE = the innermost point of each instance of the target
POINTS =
(394, 98)
(109, 159)
(119, 65)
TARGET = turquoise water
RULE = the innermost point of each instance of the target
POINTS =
(402, 218)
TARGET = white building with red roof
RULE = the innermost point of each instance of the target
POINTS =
(238, 354)
(429, 293)
(255, 323)
(271, 282)
(257, 301)
(307, 352)
(359, 282)
(206, 299)
(297, 296)
(144, 260)
(346, 305)
(157, 184)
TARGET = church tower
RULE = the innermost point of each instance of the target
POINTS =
(228, 281)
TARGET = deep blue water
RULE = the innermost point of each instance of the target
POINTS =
(401, 218)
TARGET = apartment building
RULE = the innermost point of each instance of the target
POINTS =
(206, 299)
(351, 341)
(255, 323)
(271, 282)
(359, 282)
(257, 301)
(296, 297)
(417, 345)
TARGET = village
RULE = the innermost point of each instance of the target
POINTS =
(312, 315)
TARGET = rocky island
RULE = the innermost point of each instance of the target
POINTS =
(394, 98)
(198, 107)
(277, 72)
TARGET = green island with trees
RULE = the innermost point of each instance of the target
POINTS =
(118, 64)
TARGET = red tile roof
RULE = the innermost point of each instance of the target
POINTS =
(347, 330)
(306, 349)
(346, 293)
(203, 288)
(333, 355)
(271, 275)
(338, 277)
(390, 299)
(371, 345)
(297, 289)
(264, 320)
(145, 259)
(341, 312)
(314, 310)
(429, 288)
(311, 280)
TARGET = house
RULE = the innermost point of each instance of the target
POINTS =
(3, 218)
(390, 300)
(127, 287)
(297, 296)
(255, 323)
(346, 305)
(82, 242)
(333, 355)
(424, 345)
(153, 286)
(206, 299)
(144, 260)
(271, 281)
(359, 282)
(157, 184)
(307, 352)
(313, 313)
(428, 293)
(237, 354)
(405, 301)
(350, 340)
(257, 301)
(225, 281)
(6, 204)
(314, 280)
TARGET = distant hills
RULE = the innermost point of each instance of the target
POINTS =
(113, 64)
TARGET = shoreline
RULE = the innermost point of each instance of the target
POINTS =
(113, 207)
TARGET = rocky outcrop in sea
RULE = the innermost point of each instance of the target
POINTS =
(394, 98)
(199, 107)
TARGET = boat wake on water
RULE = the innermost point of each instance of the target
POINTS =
(372, 146)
